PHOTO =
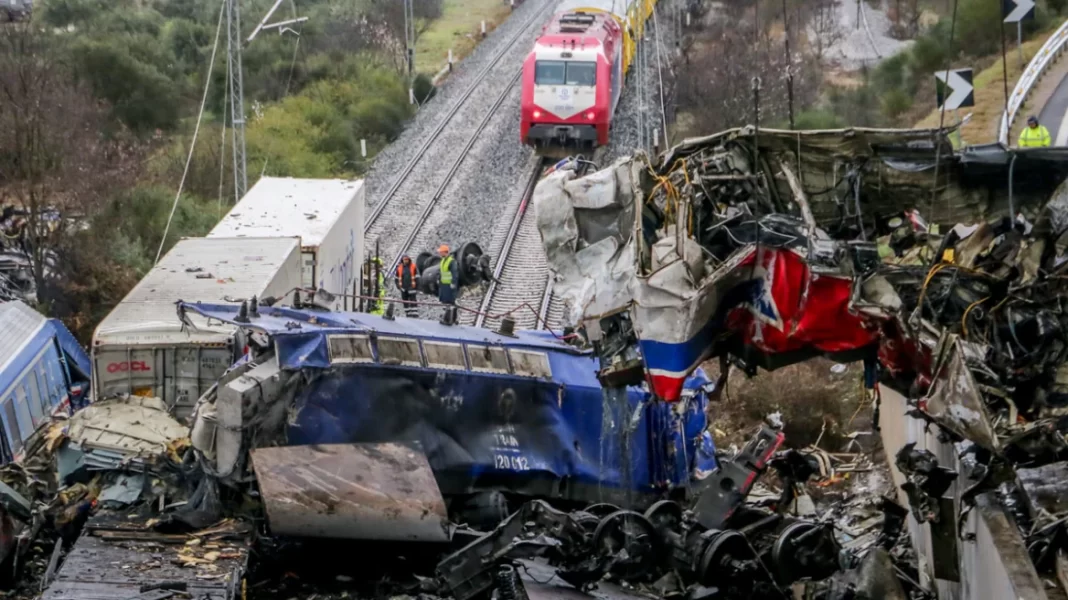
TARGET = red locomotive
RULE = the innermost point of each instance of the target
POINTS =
(573, 77)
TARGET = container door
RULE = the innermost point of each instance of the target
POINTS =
(124, 370)
(196, 368)
(307, 269)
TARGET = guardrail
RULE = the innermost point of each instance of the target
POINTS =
(1047, 55)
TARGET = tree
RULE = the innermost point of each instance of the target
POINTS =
(824, 26)
(720, 96)
(54, 161)
(390, 14)
(140, 95)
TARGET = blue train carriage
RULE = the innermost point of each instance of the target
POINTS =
(43, 371)
(521, 414)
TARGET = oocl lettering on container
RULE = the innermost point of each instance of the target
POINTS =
(123, 367)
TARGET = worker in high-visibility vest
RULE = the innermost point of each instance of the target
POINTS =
(1034, 135)
(379, 306)
(450, 281)
(406, 281)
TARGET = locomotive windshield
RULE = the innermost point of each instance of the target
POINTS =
(559, 72)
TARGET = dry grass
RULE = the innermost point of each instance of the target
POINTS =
(458, 29)
(810, 397)
(989, 95)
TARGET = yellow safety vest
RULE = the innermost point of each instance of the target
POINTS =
(1034, 138)
(446, 273)
(379, 306)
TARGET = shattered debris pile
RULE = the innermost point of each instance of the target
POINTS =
(119, 559)
(724, 546)
(111, 505)
(874, 245)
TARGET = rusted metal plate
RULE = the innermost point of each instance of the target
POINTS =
(351, 491)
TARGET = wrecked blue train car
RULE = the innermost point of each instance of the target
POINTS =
(43, 370)
(499, 418)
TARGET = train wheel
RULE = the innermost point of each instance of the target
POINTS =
(631, 540)
(468, 255)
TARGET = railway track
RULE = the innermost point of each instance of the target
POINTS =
(400, 215)
(522, 285)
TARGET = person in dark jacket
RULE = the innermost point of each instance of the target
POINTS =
(450, 282)
(406, 280)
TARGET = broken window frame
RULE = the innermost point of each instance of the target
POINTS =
(359, 338)
(449, 366)
(399, 340)
(11, 424)
(488, 348)
(514, 353)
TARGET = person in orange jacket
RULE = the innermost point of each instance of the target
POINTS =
(407, 280)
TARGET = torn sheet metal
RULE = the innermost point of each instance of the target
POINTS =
(351, 491)
(125, 490)
(587, 226)
(1046, 487)
(954, 401)
(131, 425)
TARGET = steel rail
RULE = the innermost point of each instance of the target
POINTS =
(509, 240)
(380, 206)
(546, 299)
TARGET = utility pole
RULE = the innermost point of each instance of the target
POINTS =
(237, 85)
(789, 64)
(409, 47)
(237, 96)
(409, 36)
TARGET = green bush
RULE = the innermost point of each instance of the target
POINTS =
(892, 73)
(929, 52)
(423, 87)
(135, 220)
(317, 133)
(60, 13)
(139, 94)
(895, 102)
(818, 119)
(187, 40)
(124, 20)
(978, 27)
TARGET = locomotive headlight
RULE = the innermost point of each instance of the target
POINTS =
(590, 115)
(537, 114)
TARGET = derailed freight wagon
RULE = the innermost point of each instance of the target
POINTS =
(142, 348)
(43, 371)
(327, 216)
(522, 414)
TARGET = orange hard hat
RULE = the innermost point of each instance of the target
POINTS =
(443, 248)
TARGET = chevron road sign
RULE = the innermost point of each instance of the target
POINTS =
(960, 91)
(1015, 11)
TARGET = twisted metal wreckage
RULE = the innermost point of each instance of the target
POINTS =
(767, 249)
(516, 456)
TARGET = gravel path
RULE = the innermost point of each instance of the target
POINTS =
(856, 48)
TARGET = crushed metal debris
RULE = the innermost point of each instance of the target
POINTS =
(767, 248)
(349, 455)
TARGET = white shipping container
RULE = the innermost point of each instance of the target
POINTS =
(326, 214)
(141, 347)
